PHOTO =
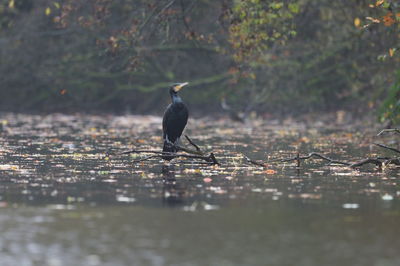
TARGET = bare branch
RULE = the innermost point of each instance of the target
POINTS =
(192, 143)
(159, 154)
(380, 161)
(254, 162)
(387, 147)
(395, 161)
(375, 161)
(396, 130)
(146, 158)
(297, 158)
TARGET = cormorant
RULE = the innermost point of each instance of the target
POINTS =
(174, 120)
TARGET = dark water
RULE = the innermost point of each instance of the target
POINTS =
(67, 199)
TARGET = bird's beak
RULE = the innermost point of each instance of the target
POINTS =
(180, 86)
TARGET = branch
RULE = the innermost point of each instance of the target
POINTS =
(262, 164)
(387, 147)
(380, 161)
(310, 155)
(396, 130)
(395, 161)
(159, 154)
(192, 143)
(375, 161)
(146, 158)
(180, 148)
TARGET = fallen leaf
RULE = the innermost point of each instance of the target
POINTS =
(270, 171)
(207, 180)
(357, 22)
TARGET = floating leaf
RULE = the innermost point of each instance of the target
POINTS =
(207, 180)
(47, 11)
(391, 51)
(357, 22)
(270, 171)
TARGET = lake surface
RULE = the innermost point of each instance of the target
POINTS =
(68, 198)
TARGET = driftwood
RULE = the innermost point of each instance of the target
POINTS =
(387, 147)
(157, 154)
(189, 153)
(210, 159)
(395, 130)
(379, 161)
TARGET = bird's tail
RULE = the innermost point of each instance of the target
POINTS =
(168, 147)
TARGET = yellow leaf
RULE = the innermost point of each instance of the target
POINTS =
(11, 4)
(379, 2)
(357, 22)
(57, 5)
(48, 11)
(391, 51)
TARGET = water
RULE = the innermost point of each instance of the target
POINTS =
(66, 198)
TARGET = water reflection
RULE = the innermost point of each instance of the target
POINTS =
(173, 192)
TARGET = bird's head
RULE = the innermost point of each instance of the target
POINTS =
(177, 87)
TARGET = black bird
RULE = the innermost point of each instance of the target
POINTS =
(174, 120)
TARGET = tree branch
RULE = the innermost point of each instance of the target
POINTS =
(299, 158)
(387, 147)
(159, 154)
(193, 154)
(396, 130)
(262, 164)
(380, 161)
(375, 161)
(192, 143)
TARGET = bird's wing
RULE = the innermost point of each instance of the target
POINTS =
(174, 121)
(166, 118)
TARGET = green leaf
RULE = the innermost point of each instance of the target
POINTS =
(294, 8)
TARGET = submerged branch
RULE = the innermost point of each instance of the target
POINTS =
(375, 161)
(192, 154)
(379, 161)
(299, 158)
(159, 154)
(211, 159)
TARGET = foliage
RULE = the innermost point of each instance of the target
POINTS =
(256, 25)
(267, 56)
(387, 15)
(390, 109)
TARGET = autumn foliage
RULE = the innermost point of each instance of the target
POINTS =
(266, 56)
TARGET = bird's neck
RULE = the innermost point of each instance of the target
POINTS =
(175, 98)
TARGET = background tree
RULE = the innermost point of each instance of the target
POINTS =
(268, 56)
